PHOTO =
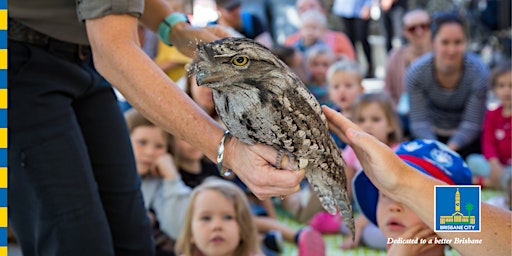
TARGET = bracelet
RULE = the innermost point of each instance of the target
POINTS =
(220, 155)
(164, 29)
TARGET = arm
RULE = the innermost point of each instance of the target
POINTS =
(118, 57)
(390, 174)
(470, 126)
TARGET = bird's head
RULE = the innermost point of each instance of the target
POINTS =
(235, 63)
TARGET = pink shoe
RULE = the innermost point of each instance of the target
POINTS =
(310, 243)
(326, 223)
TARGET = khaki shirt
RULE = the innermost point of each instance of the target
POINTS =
(64, 19)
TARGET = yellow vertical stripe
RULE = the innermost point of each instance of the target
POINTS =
(3, 137)
(3, 98)
(3, 19)
(3, 217)
(3, 250)
(3, 59)
(3, 177)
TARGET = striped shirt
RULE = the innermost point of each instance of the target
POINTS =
(458, 112)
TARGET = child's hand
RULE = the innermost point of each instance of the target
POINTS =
(164, 167)
(419, 231)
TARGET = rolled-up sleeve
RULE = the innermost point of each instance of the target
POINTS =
(90, 9)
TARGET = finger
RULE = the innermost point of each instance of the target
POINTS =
(425, 232)
(270, 155)
(263, 183)
(266, 152)
(413, 231)
(338, 121)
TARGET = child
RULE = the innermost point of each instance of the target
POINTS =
(494, 167)
(318, 59)
(374, 113)
(218, 222)
(345, 85)
(396, 220)
(163, 191)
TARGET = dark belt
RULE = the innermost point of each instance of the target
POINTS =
(20, 32)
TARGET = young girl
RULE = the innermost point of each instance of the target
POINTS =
(218, 222)
(493, 168)
(375, 114)
(318, 59)
(345, 85)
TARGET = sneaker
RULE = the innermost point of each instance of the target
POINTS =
(310, 243)
(326, 223)
(273, 240)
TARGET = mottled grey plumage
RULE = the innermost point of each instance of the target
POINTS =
(261, 100)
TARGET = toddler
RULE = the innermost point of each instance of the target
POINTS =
(345, 85)
(318, 60)
(218, 222)
(493, 168)
(397, 220)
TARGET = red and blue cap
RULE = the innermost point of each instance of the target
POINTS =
(428, 156)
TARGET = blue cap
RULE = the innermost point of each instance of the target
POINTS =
(428, 156)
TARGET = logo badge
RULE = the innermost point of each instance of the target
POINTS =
(457, 208)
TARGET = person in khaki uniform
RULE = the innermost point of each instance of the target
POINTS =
(73, 185)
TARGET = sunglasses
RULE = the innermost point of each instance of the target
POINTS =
(413, 28)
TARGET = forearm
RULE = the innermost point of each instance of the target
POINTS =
(121, 61)
(170, 205)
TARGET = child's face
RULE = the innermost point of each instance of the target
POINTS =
(318, 67)
(215, 230)
(312, 31)
(344, 88)
(372, 119)
(503, 88)
(149, 143)
(394, 218)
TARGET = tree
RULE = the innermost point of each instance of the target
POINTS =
(469, 208)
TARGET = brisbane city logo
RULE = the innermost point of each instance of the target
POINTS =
(457, 208)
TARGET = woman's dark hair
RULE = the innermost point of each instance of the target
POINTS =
(441, 18)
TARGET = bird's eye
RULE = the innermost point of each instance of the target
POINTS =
(240, 61)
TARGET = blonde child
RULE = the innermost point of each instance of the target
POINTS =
(218, 222)
(318, 60)
(494, 167)
(396, 220)
(345, 79)
(375, 114)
